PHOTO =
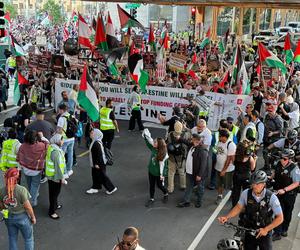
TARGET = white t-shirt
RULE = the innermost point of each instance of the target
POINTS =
(62, 124)
(189, 161)
(294, 119)
(206, 136)
(223, 150)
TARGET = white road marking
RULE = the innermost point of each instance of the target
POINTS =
(207, 225)
(83, 154)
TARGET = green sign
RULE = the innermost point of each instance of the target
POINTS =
(132, 5)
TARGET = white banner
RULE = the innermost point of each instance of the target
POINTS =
(160, 100)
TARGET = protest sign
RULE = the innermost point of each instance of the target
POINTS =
(57, 63)
(162, 100)
(63, 85)
(41, 41)
(177, 62)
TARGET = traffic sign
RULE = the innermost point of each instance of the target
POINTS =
(132, 5)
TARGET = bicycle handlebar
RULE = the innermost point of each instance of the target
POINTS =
(240, 228)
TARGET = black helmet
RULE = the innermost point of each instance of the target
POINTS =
(292, 135)
(258, 177)
(287, 153)
(227, 244)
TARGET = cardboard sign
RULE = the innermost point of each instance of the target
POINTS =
(177, 62)
(44, 61)
(41, 41)
(33, 60)
(270, 74)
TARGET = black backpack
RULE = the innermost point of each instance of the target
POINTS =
(16, 121)
(72, 126)
(109, 156)
(173, 147)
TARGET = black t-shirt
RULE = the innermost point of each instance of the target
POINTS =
(286, 108)
(257, 102)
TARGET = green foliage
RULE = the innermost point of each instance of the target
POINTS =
(54, 11)
(11, 9)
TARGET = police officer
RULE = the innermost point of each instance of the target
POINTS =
(135, 105)
(10, 148)
(108, 123)
(287, 178)
(259, 205)
(291, 142)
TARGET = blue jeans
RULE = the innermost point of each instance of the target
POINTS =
(190, 183)
(16, 223)
(68, 147)
(33, 184)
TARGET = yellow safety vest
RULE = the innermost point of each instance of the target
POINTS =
(137, 105)
(105, 122)
(50, 170)
(8, 154)
(35, 95)
(203, 113)
(12, 63)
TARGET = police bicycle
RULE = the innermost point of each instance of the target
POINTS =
(237, 242)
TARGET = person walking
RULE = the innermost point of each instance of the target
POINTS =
(287, 178)
(22, 120)
(98, 162)
(20, 217)
(108, 123)
(196, 171)
(157, 166)
(135, 106)
(244, 164)
(31, 157)
(68, 146)
(54, 171)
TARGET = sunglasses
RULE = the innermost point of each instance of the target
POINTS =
(128, 244)
(285, 159)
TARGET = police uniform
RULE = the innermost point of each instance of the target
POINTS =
(107, 126)
(258, 213)
(285, 176)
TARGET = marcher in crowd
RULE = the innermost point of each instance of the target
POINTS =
(130, 240)
(135, 107)
(20, 217)
(98, 162)
(157, 166)
(31, 157)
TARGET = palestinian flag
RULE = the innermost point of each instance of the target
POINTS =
(84, 34)
(226, 38)
(7, 17)
(74, 17)
(19, 51)
(206, 40)
(127, 20)
(221, 46)
(111, 38)
(100, 36)
(66, 34)
(151, 40)
(288, 50)
(87, 97)
(94, 24)
(19, 81)
(165, 37)
(194, 58)
(245, 83)
(237, 64)
(135, 65)
(297, 53)
(267, 57)
(224, 80)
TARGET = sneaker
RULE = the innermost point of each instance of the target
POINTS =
(111, 192)
(166, 198)
(70, 173)
(219, 199)
(92, 191)
(276, 236)
(284, 234)
(198, 204)
(66, 176)
(210, 187)
(43, 180)
(149, 203)
(183, 204)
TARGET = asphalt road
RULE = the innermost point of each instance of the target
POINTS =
(95, 221)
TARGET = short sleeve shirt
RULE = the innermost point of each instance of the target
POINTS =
(223, 151)
(21, 195)
(274, 202)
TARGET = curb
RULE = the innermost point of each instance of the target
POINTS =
(296, 241)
